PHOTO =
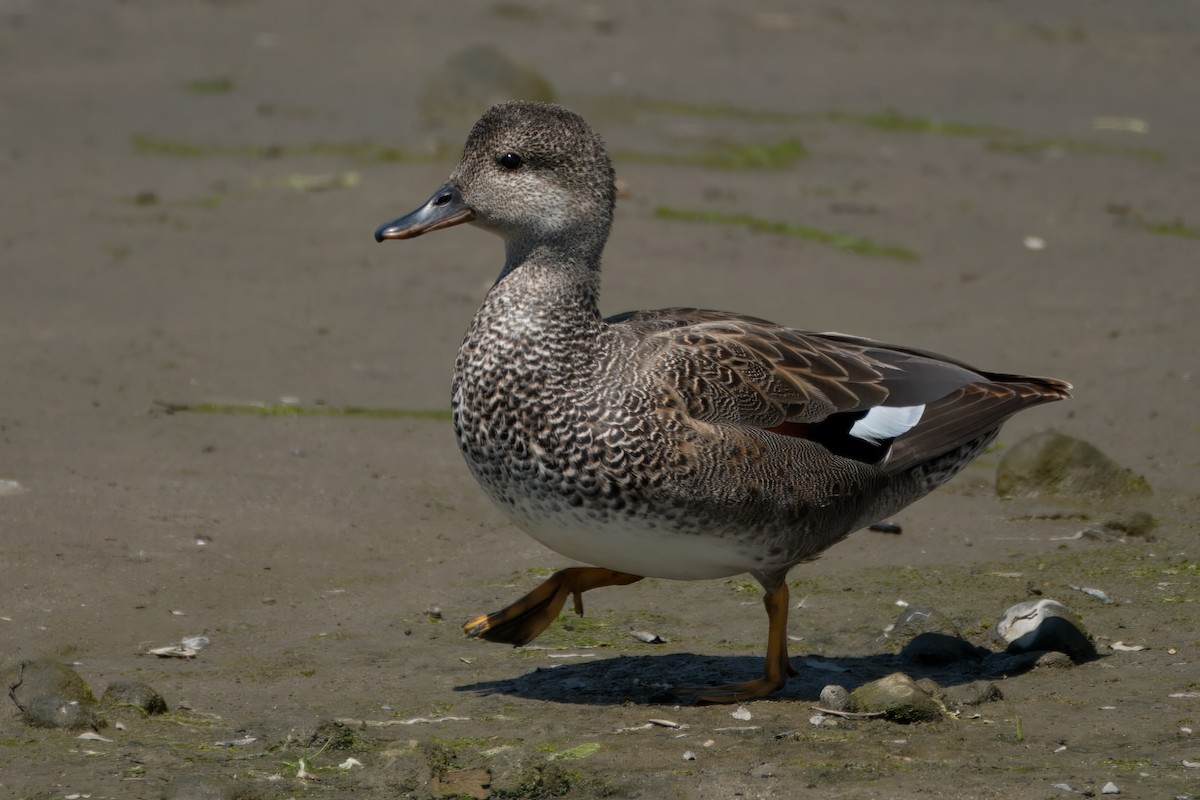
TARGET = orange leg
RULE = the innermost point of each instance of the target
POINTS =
(777, 667)
(522, 622)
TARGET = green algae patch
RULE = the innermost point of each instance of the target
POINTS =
(850, 243)
(717, 111)
(1073, 147)
(893, 121)
(292, 410)
(365, 152)
(1171, 229)
(888, 120)
(579, 751)
(729, 156)
(221, 84)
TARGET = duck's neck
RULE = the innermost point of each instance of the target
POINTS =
(549, 284)
(546, 298)
(573, 245)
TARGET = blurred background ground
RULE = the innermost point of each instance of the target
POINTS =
(189, 191)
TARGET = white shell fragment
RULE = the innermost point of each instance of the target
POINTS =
(387, 723)
(743, 714)
(350, 762)
(242, 742)
(666, 723)
(1034, 243)
(1110, 788)
(688, 755)
(1096, 593)
(648, 637)
(1127, 648)
(8, 487)
(174, 651)
(93, 737)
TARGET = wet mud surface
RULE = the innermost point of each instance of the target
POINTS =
(189, 195)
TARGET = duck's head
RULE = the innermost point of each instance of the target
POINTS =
(533, 173)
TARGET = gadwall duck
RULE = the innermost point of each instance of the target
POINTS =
(680, 443)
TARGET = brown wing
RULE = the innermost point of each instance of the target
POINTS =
(743, 370)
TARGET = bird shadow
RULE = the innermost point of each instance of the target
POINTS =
(647, 679)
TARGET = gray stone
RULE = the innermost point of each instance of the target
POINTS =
(915, 620)
(1046, 624)
(1054, 660)
(52, 695)
(898, 697)
(134, 694)
(971, 694)
(1052, 464)
(835, 698)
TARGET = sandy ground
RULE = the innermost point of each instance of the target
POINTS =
(154, 248)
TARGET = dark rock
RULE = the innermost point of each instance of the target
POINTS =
(134, 694)
(52, 695)
(935, 649)
(1052, 464)
(1003, 665)
(1133, 523)
(898, 697)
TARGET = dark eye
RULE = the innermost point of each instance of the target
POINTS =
(511, 161)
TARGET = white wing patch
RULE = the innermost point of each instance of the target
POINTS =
(886, 422)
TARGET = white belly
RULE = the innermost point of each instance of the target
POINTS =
(635, 546)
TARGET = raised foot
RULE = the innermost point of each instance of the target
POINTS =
(522, 621)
